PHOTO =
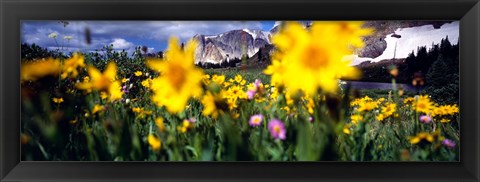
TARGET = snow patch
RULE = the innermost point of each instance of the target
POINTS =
(258, 34)
(412, 38)
(277, 23)
(252, 33)
(211, 36)
(210, 61)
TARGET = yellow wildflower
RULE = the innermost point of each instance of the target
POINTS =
(423, 104)
(238, 78)
(35, 70)
(311, 59)
(276, 71)
(235, 92)
(146, 83)
(346, 129)
(444, 120)
(445, 110)
(380, 100)
(408, 100)
(97, 108)
(421, 136)
(141, 112)
(179, 78)
(186, 125)
(367, 106)
(389, 109)
(103, 95)
(235, 115)
(154, 142)
(218, 79)
(394, 72)
(137, 109)
(380, 117)
(227, 84)
(115, 91)
(310, 105)
(103, 82)
(73, 121)
(57, 100)
(209, 105)
(288, 98)
(138, 73)
(160, 125)
(274, 93)
(232, 104)
(71, 65)
(243, 82)
(206, 79)
(356, 118)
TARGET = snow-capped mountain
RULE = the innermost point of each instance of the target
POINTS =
(380, 46)
(277, 25)
(231, 44)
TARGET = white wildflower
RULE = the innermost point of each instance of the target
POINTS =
(53, 35)
(68, 37)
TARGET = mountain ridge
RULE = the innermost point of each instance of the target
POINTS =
(239, 42)
(229, 45)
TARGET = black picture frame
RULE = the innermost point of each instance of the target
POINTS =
(13, 11)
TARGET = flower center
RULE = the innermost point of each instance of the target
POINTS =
(276, 129)
(176, 76)
(421, 105)
(103, 83)
(315, 57)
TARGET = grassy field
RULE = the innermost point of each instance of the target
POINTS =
(87, 126)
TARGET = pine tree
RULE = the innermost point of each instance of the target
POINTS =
(421, 61)
(445, 47)
(442, 82)
(436, 74)
(410, 61)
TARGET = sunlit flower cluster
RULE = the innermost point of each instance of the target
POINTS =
(387, 111)
(141, 112)
(423, 104)
(426, 137)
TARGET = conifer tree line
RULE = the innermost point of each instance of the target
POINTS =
(424, 60)
(441, 67)
(437, 66)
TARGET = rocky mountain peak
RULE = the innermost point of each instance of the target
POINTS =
(228, 45)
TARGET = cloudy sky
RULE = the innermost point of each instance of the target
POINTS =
(126, 34)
